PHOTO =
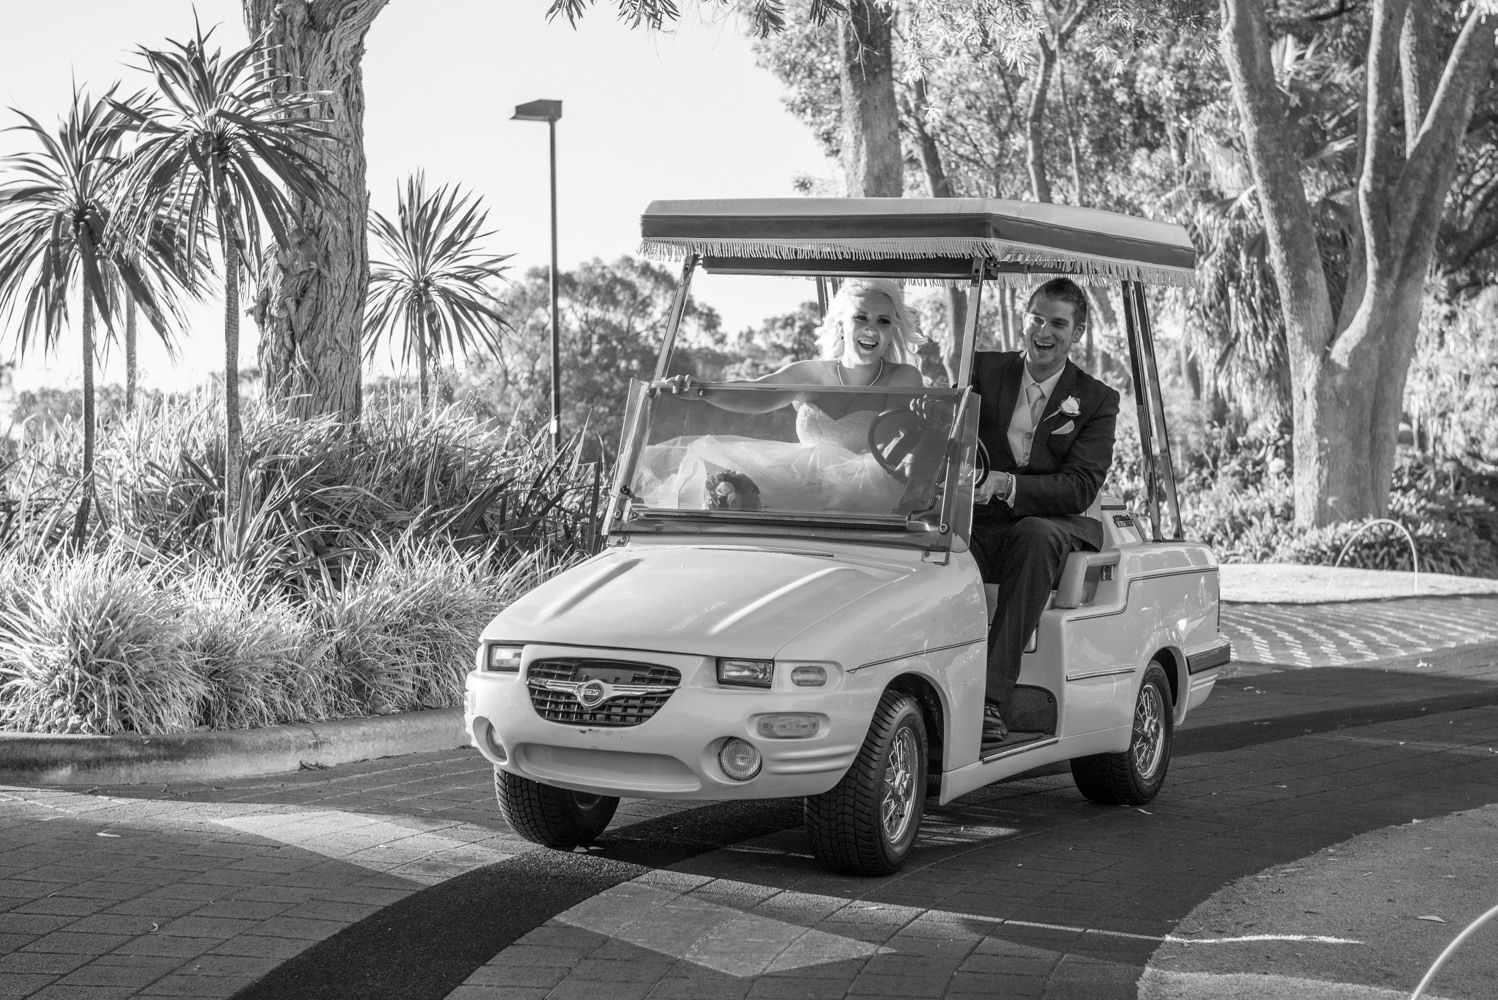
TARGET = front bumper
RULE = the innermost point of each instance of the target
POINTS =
(673, 754)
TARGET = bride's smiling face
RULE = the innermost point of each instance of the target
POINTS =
(869, 328)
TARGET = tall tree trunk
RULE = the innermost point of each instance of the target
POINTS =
(310, 300)
(132, 372)
(80, 521)
(1348, 377)
(941, 187)
(1040, 181)
(232, 446)
(421, 365)
(1061, 19)
(1079, 196)
(872, 165)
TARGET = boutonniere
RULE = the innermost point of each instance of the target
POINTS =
(1071, 406)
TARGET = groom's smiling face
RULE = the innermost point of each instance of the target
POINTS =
(869, 329)
(1050, 330)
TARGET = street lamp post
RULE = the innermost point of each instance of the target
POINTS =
(549, 112)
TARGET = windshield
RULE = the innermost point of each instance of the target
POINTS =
(888, 459)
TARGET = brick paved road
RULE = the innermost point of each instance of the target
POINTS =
(1315, 635)
(299, 882)
(1021, 890)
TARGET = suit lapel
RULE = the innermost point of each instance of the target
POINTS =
(1051, 417)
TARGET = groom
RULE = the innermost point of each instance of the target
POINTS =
(1048, 428)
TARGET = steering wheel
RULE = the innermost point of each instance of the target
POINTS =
(981, 464)
(894, 437)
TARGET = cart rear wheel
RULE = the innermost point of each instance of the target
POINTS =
(553, 817)
(868, 823)
(1134, 777)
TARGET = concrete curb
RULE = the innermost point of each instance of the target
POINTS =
(27, 759)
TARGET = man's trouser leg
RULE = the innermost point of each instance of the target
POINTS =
(1024, 558)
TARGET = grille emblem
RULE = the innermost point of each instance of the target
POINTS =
(599, 692)
(591, 694)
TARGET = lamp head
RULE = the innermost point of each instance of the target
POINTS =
(537, 111)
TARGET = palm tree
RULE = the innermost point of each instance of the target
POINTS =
(56, 237)
(222, 143)
(436, 289)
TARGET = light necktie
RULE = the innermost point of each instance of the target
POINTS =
(1037, 405)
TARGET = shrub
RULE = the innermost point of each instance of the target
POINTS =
(1451, 394)
(403, 633)
(316, 496)
(92, 644)
(310, 601)
(261, 660)
(1442, 547)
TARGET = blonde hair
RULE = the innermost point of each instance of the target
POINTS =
(902, 348)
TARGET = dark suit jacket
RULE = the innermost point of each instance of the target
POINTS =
(1070, 455)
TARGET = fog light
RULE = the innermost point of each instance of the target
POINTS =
(788, 727)
(739, 759)
(493, 745)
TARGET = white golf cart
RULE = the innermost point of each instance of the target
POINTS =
(734, 640)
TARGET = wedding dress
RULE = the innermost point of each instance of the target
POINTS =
(827, 469)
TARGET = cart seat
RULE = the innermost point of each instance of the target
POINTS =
(1081, 571)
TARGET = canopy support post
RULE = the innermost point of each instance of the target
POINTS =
(1142, 410)
(1166, 471)
(678, 309)
(970, 328)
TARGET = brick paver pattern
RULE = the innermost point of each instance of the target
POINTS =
(1330, 635)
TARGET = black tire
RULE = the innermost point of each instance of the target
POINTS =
(868, 823)
(552, 817)
(1134, 777)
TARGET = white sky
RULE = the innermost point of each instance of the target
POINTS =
(679, 115)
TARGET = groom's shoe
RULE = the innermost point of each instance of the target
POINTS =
(994, 730)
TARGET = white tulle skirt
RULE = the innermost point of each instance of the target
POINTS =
(788, 476)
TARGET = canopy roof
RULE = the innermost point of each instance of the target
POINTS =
(1017, 236)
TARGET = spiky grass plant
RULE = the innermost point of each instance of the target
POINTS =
(314, 488)
(322, 542)
(403, 633)
(262, 660)
(91, 643)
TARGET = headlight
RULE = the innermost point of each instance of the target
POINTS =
(502, 658)
(746, 673)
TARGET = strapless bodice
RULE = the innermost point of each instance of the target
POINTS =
(851, 432)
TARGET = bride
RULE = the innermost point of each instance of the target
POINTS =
(867, 338)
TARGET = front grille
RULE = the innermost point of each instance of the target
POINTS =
(617, 692)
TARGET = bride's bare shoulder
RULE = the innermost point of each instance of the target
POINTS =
(906, 375)
(812, 371)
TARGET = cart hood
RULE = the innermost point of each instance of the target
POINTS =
(716, 600)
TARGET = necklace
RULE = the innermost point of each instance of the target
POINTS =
(879, 371)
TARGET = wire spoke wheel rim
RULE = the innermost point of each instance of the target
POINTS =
(898, 804)
(1149, 732)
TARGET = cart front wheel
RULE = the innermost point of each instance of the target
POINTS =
(1134, 777)
(868, 823)
(552, 817)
